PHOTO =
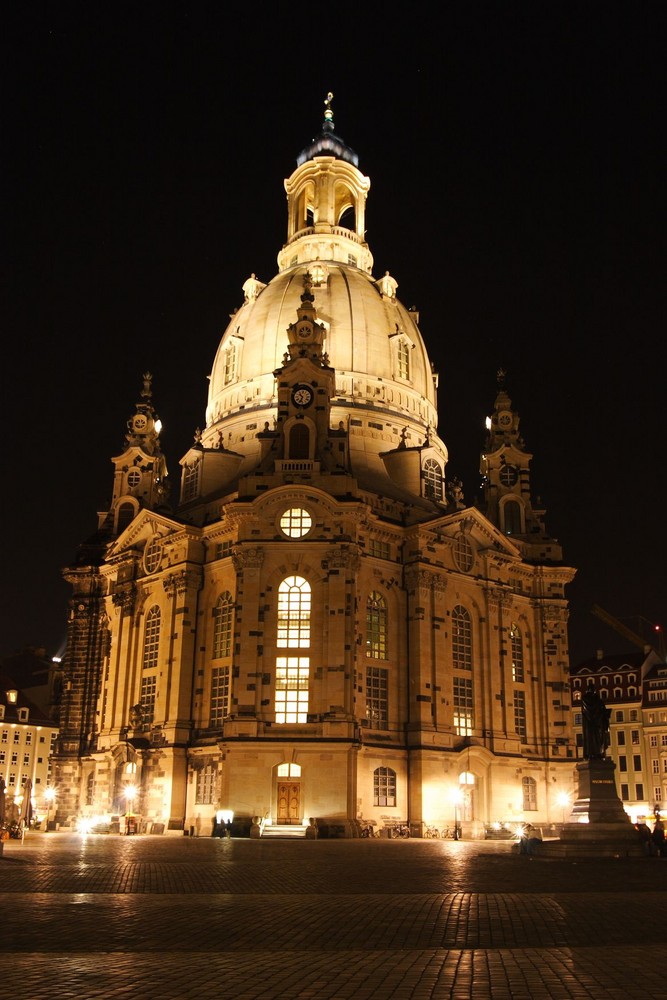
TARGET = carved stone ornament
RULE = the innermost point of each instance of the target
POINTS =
(342, 559)
(178, 584)
(248, 558)
(124, 597)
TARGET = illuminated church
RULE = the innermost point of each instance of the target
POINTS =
(317, 626)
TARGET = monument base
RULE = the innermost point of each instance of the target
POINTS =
(599, 826)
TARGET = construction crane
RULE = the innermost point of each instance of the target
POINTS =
(627, 633)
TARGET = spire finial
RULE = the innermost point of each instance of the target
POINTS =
(328, 113)
(147, 391)
(500, 376)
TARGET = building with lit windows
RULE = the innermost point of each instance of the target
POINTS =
(27, 739)
(317, 625)
(634, 686)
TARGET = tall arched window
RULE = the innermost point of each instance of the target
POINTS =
(461, 638)
(294, 603)
(529, 788)
(152, 638)
(222, 626)
(517, 654)
(432, 479)
(376, 626)
(293, 632)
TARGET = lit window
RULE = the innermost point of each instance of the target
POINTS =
(292, 680)
(153, 555)
(294, 603)
(296, 522)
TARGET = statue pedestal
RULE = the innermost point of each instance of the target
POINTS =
(599, 826)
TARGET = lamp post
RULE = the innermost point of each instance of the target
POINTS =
(458, 798)
(49, 795)
(130, 793)
(563, 801)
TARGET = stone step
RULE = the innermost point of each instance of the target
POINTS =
(290, 832)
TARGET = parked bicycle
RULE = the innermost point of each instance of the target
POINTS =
(368, 829)
(432, 833)
(400, 831)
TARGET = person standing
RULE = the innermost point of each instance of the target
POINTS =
(658, 837)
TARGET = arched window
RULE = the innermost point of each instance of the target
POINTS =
(512, 517)
(517, 654)
(432, 479)
(376, 626)
(152, 638)
(529, 788)
(384, 787)
(461, 638)
(293, 632)
(222, 626)
(299, 441)
(294, 603)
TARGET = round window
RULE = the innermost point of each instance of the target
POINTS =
(153, 556)
(463, 553)
(296, 522)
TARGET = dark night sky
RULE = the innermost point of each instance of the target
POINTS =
(516, 153)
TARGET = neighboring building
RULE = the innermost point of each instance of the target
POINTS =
(320, 627)
(27, 739)
(634, 686)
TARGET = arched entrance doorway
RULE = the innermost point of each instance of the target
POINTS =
(288, 794)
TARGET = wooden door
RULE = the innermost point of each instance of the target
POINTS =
(289, 802)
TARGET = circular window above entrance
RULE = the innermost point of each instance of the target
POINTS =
(296, 522)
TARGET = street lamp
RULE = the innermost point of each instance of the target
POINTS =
(457, 797)
(130, 793)
(49, 795)
(563, 801)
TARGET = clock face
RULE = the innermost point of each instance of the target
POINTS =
(303, 332)
(139, 423)
(302, 395)
(504, 419)
(508, 475)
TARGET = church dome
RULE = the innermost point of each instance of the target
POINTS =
(385, 387)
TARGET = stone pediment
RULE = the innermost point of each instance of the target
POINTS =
(148, 528)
